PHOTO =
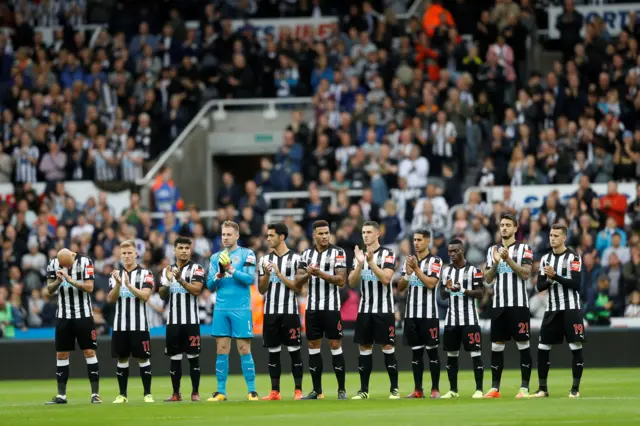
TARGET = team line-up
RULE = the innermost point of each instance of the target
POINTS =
(283, 273)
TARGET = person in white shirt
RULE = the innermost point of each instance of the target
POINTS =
(415, 169)
(438, 202)
(623, 253)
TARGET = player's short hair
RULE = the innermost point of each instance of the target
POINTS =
(182, 240)
(560, 227)
(372, 223)
(280, 228)
(510, 217)
(128, 243)
(455, 241)
(320, 224)
(424, 232)
(230, 224)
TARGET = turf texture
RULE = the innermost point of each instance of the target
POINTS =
(608, 397)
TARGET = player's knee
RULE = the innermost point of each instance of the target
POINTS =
(575, 346)
(315, 344)
(454, 354)
(523, 345)
(89, 353)
(366, 348)
(543, 347)
(497, 347)
(335, 344)
(388, 349)
(62, 356)
(244, 348)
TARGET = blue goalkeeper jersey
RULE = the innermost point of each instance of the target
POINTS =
(233, 292)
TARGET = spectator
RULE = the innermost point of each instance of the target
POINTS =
(477, 239)
(604, 238)
(614, 204)
(229, 194)
(621, 252)
(633, 308)
(53, 164)
(599, 305)
(631, 270)
(414, 169)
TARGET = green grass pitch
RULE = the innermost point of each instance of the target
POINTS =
(609, 397)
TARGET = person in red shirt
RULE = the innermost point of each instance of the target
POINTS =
(614, 204)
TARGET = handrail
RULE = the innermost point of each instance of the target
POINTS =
(148, 178)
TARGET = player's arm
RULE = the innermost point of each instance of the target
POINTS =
(245, 276)
(263, 277)
(354, 275)
(430, 280)
(523, 270)
(86, 284)
(340, 278)
(384, 274)
(491, 270)
(445, 293)
(575, 277)
(114, 284)
(543, 283)
(302, 276)
(214, 273)
(53, 280)
(478, 288)
(197, 281)
(143, 293)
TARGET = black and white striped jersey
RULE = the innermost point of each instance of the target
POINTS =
(131, 312)
(280, 299)
(376, 298)
(183, 306)
(73, 303)
(462, 308)
(323, 296)
(509, 289)
(421, 301)
(562, 298)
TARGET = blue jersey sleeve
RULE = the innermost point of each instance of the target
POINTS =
(246, 274)
(213, 271)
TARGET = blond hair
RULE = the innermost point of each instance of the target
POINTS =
(231, 224)
(128, 243)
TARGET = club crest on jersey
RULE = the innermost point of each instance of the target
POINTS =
(236, 259)
(528, 254)
(575, 266)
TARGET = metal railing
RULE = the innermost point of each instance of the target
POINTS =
(219, 114)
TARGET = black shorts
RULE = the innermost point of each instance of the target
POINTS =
(469, 335)
(421, 332)
(510, 323)
(560, 325)
(377, 329)
(281, 329)
(131, 343)
(319, 324)
(182, 339)
(70, 330)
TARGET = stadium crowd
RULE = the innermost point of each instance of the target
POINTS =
(404, 112)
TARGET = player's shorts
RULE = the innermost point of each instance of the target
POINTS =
(377, 329)
(560, 325)
(281, 329)
(470, 336)
(421, 332)
(319, 324)
(70, 330)
(125, 344)
(237, 324)
(510, 323)
(182, 339)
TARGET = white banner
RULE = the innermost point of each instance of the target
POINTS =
(303, 28)
(615, 16)
(81, 191)
(532, 196)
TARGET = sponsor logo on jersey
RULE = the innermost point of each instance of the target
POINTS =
(504, 268)
(199, 272)
(251, 259)
(435, 268)
(90, 271)
(340, 258)
(390, 259)
(149, 279)
(528, 254)
(478, 274)
(575, 266)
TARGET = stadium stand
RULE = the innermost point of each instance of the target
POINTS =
(407, 115)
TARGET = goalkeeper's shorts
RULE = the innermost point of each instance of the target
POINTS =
(237, 324)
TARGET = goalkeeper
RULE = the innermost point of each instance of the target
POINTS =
(231, 275)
